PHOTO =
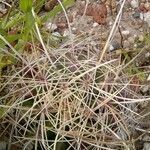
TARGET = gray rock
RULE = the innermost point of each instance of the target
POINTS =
(145, 17)
(125, 32)
(141, 38)
(147, 55)
(50, 26)
(131, 40)
(134, 3)
(3, 9)
(136, 15)
(114, 46)
(145, 89)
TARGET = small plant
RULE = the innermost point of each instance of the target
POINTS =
(63, 97)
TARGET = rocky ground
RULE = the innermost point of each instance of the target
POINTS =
(131, 37)
(132, 27)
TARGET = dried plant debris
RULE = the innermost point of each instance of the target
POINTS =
(59, 96)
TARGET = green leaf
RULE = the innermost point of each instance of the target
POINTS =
(29, 23)
(2, 45)
(20, 45)
(3, 33)
(14, 21)
(25, 5)
(147, 39)
(12, 38)
(4, 61)
(38, 4)
(2, 112)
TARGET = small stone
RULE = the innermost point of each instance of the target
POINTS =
(147, 55)
(3, 9)
(114, 46)
(110, 23)
(93, 43)
(147, 6)
(50, 26)
(66, 33)
(141, 38)
(141, 29)
(57, 34)
(135, 45)
(145, 89)
(136, 15)
(126, 32)
(145, 17)
(49, 5)
(134, 3)
(142, 8)
(74, 29)
(95, 24)
(131, 40)
(148, 79)
(111, 48)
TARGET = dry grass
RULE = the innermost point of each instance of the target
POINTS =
(68, 98)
